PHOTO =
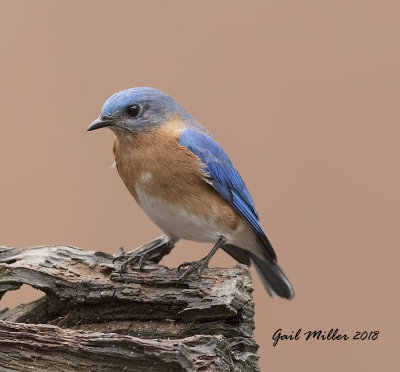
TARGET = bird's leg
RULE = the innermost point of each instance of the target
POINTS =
(153, 251)
(200, 265)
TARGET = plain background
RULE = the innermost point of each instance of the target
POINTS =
(303, 96)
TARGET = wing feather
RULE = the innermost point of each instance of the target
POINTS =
(225, 179)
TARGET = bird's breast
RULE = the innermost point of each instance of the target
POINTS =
(155, 162)
(167, 179)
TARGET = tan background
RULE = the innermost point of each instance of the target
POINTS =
(304, 97)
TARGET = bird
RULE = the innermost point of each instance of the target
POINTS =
(185, 182)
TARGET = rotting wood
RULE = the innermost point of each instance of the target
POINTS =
(94, 318)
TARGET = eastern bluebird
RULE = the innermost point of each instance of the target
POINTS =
(184, 181)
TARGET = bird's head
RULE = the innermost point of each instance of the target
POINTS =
(137, 110)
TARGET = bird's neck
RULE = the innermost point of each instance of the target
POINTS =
(145, 140)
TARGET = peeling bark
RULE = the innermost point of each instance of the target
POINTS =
(94, 318)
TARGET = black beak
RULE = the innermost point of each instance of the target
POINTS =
(100, 123)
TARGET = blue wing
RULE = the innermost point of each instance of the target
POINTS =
(224, 178)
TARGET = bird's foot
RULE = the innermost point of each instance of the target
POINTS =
(128, 259)
(119, 255)
(152, 251)
(200, 265)
(195, 266)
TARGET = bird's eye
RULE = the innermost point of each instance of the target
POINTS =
(134, 111)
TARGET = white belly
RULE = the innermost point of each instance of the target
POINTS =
(178, 222)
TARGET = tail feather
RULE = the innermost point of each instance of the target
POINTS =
(272, 276)
(237, 253)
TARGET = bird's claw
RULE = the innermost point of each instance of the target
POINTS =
(184, 264)
(119, 255)
(195, 266)
(130, 260)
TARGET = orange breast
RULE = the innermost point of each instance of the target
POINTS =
(156, 163)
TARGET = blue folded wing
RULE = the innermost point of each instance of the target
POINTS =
(224, 178)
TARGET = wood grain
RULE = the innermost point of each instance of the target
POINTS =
(95, 318)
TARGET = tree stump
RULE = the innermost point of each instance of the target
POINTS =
(94, 318)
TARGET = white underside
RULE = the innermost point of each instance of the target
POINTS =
(177, 222)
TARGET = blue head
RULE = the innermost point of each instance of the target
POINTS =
(137, 110)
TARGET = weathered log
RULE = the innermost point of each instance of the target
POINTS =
(94, 318)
